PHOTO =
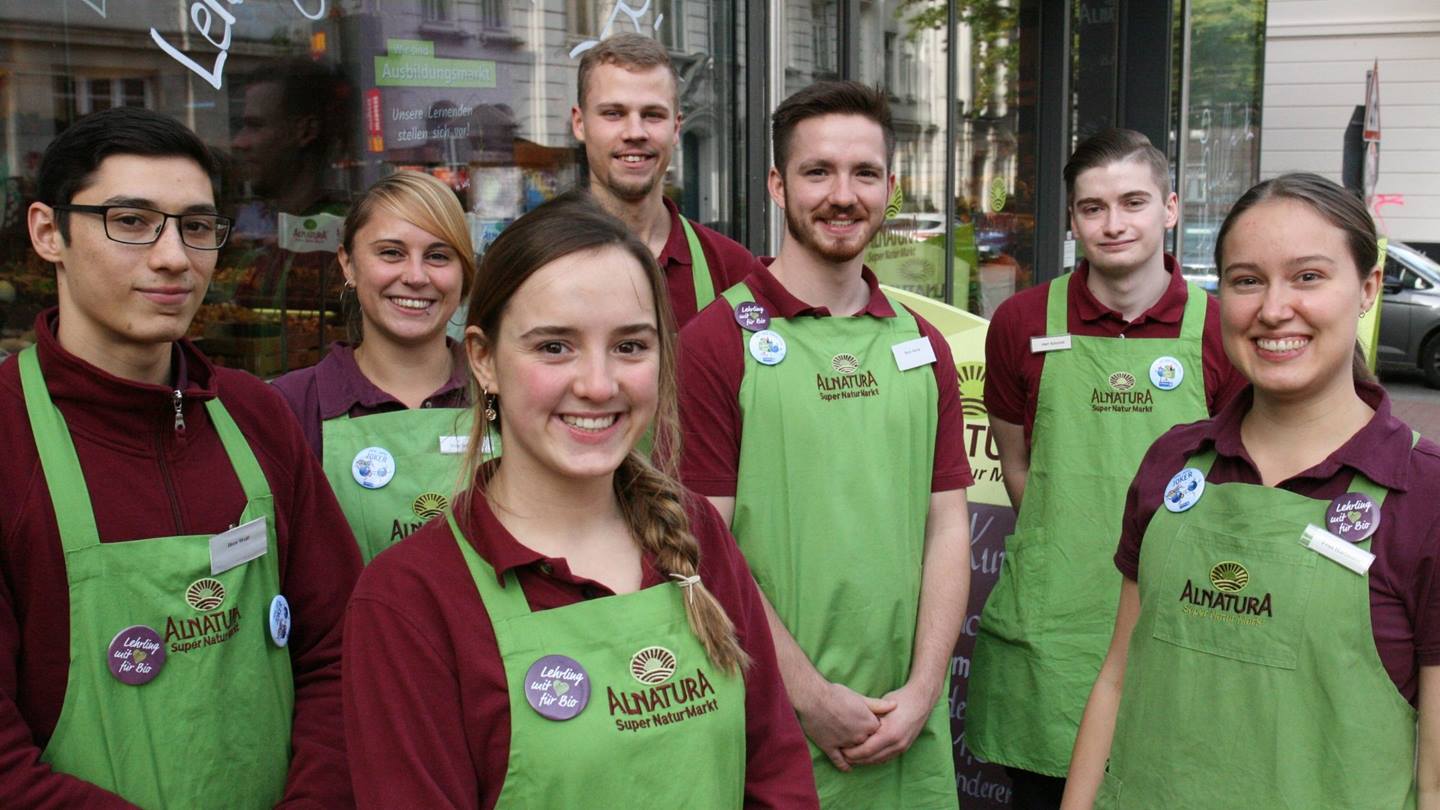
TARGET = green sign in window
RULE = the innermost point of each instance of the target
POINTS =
(428, 71)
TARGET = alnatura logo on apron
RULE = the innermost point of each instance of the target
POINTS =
(668, 699)
(1119, 396)
(215, 625)
(849, 381)
(1223, 600)
(426, 507)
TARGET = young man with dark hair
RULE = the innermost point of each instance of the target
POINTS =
(628, 118)
(1082, 374)
(824, 422)
(163, 522)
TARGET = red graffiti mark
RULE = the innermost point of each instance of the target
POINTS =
(1379, 201)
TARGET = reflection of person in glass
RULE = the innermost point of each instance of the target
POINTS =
(400, 391)
(844, 468)
(581, 631)
(1071, 419)
(628, 119)
(293, 122)
(1277, 634)
(148, 659)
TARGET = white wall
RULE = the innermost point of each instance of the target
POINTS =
(1316, 55)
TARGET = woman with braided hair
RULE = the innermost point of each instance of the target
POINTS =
(580, 631)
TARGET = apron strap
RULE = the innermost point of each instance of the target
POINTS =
(74, 514)
(1192, 323)
(1057, 306)
(699, 267)
(242, 457)
(738, 294)
(501, 603)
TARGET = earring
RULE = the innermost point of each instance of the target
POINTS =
(489, 399)
(349, 284)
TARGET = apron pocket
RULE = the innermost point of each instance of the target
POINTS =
(1110, 789)
(1223, 595)
(1017, 606)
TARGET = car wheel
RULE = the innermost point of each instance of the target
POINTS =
(1430, 361)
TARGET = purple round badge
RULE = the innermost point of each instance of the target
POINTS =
(1352, 517)
(136, 655)
(751, 316)
(557, 687)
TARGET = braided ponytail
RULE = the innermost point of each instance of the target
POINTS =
(651, 503)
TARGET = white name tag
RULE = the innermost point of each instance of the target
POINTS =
(455, 445)
(1328, 545)
(238, 546)
(913, 353)
(1049, 343)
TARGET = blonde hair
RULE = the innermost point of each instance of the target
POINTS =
(423, 201)
(651, 499)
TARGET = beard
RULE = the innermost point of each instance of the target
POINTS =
(806, 232)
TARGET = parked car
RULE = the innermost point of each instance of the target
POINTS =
(1410, 312)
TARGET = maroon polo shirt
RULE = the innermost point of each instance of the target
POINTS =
(336, 386)
(146, 480)
(427, 711)
(712, 364)
(1012, 371)
(729, 263)
(1405, 577)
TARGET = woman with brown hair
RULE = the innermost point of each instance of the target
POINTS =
(388, 414)
(1278, 635)
(580, 631)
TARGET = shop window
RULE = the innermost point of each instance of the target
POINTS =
(582, 17)
(437, 11)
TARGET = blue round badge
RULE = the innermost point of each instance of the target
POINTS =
(557, 687)
(767, 347)
(1184, 490)
(373, 467)
(1166, 373)
(280, 621)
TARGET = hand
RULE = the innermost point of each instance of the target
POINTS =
(841, 717)
(898, 728)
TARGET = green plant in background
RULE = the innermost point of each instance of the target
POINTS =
(991, 24)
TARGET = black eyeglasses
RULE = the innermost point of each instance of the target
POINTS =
(142, 226)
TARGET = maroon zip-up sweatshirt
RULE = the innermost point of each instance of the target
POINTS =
(146, 479)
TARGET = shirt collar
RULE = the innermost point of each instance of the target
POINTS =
(1378, 450)
(342, 386)
(764, 284)
(1169, 309)
(677, 247)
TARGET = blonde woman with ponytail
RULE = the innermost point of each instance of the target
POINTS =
(580, 631)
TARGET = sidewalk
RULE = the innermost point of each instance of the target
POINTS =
(1415, 404)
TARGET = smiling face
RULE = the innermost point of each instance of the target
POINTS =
(1119, 215)
(406, 279)
(1290, 299)
(128, 300)
(629, 126)
(836, 185)
(576, 367)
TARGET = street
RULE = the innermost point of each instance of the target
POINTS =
(1413, 401)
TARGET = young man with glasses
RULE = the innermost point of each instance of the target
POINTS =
(163, 525)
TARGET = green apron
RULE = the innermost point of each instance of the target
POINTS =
(213, 727)
(699, 267)
(833, 496)
(1047, 623)
(667, 735)
(424, 476)
(1270, 694)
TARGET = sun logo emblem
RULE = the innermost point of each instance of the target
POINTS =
(430, 505)
(845, 363)
(1122, 381)
(652, 665)
(205, 594)
(972, 389)
(1229, 576)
